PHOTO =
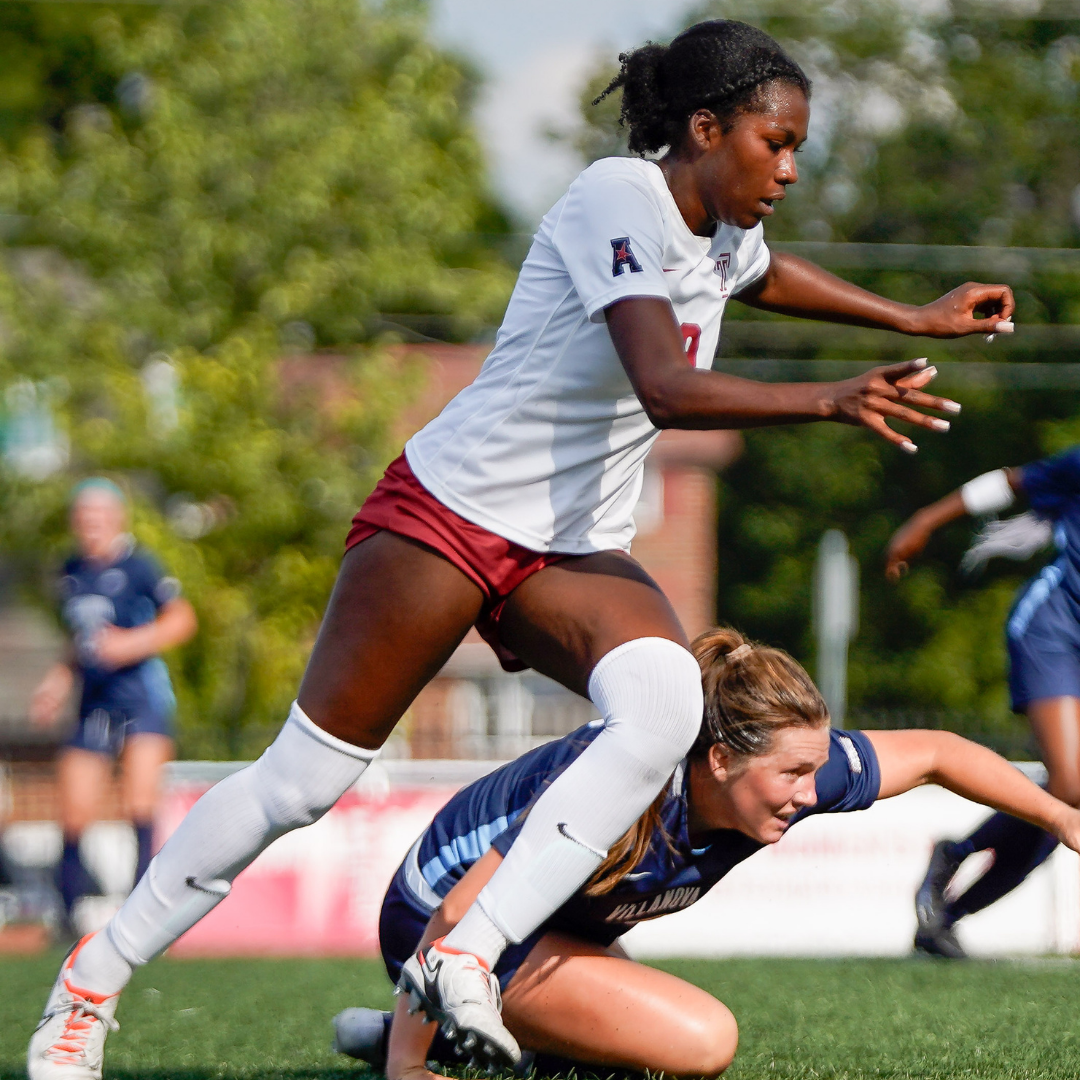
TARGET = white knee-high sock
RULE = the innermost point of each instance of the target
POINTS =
(296, 780)
(649, 692)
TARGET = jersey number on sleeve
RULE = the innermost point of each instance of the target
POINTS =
(691, 335)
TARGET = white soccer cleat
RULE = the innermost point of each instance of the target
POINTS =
(457, 991)
(69, 1043)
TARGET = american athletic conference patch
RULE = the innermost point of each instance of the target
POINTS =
(622, 255)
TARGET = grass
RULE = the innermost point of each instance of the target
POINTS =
(269, 1019)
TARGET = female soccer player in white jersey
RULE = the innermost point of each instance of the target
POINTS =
(513, 511)
(764, 760)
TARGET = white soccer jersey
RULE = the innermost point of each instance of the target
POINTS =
(546, 448)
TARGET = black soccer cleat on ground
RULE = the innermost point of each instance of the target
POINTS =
(930, 898)
(940, 942)
(932, 935)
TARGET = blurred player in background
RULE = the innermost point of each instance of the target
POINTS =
(1043, 637)
(121, 612)
(765, 759)
(513, 511)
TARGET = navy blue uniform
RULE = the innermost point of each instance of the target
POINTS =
(489, 814)
(1043, 629)
(117, 703)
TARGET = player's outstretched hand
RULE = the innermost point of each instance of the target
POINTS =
(891, 392)
(954, 314)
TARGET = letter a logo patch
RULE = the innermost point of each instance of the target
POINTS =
(622, 255)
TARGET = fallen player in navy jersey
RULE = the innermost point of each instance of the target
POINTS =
(765, 759)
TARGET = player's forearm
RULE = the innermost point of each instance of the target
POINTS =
(175, 625)
(970, 499)
(938, 514)
(982, 776)
(793, 286)
(704, 400)
(51, 693)
(410, 1037)
(409, 1043)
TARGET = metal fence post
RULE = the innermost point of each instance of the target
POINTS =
(836, 618)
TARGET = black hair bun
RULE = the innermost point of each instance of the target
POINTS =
(719, 64)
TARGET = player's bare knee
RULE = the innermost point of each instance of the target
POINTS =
(708, 1042)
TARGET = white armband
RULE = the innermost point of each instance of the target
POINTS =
(987, 494)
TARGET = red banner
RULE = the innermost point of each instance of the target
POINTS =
(316, 891)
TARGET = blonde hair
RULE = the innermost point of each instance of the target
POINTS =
(751, 692)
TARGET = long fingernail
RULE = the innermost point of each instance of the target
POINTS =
(909, 447)
(1005, 326)
(940, 425)
(931, 371)
(951, 406)
(920, 362)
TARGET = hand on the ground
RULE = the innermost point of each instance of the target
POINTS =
(954, 314)
(890, 392)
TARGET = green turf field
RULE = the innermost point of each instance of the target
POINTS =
(799, 1018)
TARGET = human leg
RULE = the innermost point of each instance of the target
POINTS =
(600, 625)
(580, 1001)
(1056, 723)
(81, 779)
(144, 756)
(1019, 847)
(588, 1006)
(396, 614)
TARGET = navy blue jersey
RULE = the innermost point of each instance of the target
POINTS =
(674, 874)
(128, 592)
(1052, 486)
(1043, 628)
(1053, 489)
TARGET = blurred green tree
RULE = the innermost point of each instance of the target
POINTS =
(945, 124)
(52, 62)
(271, 177)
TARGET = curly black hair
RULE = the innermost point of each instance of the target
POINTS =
(718, 65)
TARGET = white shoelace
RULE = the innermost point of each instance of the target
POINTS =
(70, 1048)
